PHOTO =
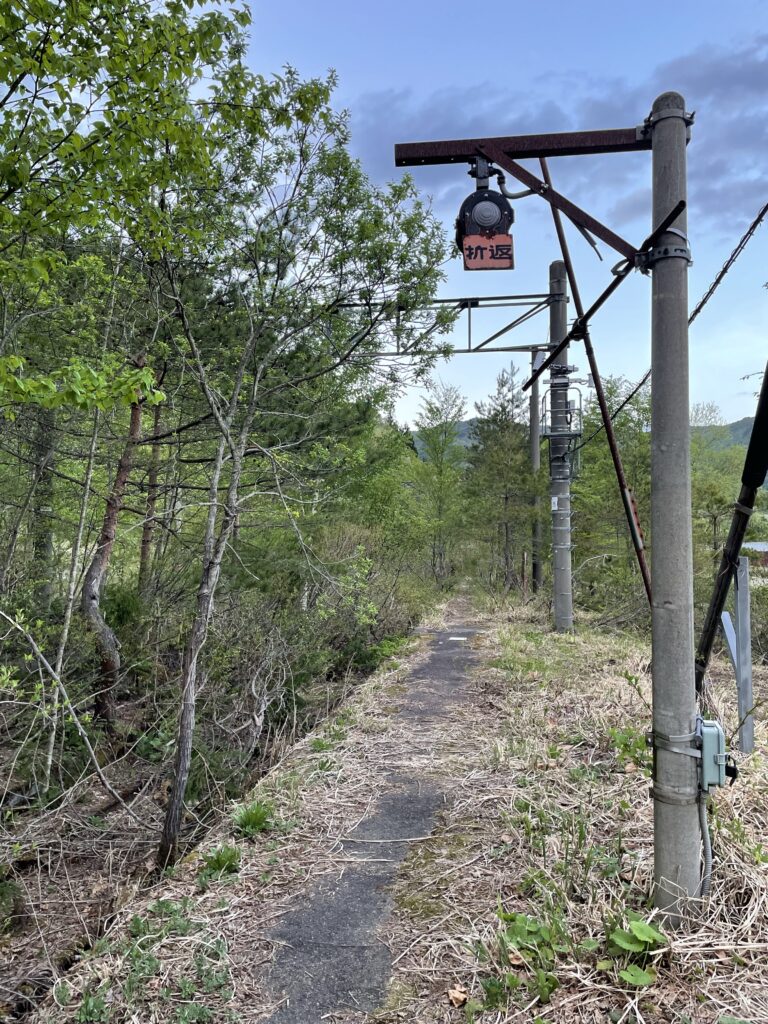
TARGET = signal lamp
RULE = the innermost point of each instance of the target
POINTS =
(482, 227)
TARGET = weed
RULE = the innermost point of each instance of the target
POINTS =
(11, 903)
(62, 993)
(194, 1014)
(529, 943)
(93, 1009)
(632, 946)
(224, 860)
(631, 748)
(255, 817)
(318, 745)
(187, 988)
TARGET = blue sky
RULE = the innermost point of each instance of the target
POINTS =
(417, 71)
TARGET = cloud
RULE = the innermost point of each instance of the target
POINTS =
(728, 173)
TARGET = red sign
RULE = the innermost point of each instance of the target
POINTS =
(488, 253)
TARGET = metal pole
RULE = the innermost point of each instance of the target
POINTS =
(752, 479)
(559, 460)
(535, 442)
(677, 869)
(744, 658)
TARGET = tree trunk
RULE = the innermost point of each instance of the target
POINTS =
(145, 556)
(509, 569)
(42, 511)
(106, 641)
(214, 547)
(38, 473)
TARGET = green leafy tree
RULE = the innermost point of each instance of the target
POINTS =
(439, 474)
(605, 567)
(500, 482)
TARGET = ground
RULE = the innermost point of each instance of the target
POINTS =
(468, 838)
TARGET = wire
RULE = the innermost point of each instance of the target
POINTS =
(615, 412)
(729, 263)
(706, 841)
(702, 303)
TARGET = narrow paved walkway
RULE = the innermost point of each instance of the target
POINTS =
(330, 958)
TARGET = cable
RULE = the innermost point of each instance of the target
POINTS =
(706, 840)
(615, 412)
(729, 263)
(702, 303)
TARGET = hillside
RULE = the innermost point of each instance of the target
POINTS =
(736, 433)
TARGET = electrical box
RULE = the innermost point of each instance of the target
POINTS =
(713, 755)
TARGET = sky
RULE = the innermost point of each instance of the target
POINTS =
(411, 72)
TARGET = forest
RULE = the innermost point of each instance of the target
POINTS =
(211, 525)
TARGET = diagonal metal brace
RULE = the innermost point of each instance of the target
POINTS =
(622, 272)
(574, 213)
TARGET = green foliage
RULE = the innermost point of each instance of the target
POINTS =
(255, 817)
(218, 864)
(631, 747)
(437, 477)
(533, 944)
(75, 385)
(605, 573)
(500, 484)
(318, 745)
(10, 901)
(629, 949)
(94, 1008)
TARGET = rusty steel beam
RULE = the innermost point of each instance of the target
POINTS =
(453, 151)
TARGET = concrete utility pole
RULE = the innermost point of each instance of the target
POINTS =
(535, 441)
(559, 460)
(677, 869)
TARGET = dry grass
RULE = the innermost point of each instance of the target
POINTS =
(549, 817)
(552, 820)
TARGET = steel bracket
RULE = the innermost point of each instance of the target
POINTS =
(659, 741)
(647, 260)
(691, 748)
(644, 131)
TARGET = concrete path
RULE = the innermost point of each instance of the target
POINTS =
(330, 959)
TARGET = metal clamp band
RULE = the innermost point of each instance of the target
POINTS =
(660, 741)
(673, 796)
(744, 509)
(661, 115)
(666, 252)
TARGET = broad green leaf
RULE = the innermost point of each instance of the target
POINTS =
(590, 945)
(647, 933)
(625, 940)
(635, 975)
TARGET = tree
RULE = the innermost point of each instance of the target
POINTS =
(605, 562)
(500, 479)
(439, 475)
(264, 312)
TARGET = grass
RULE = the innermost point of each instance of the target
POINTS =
(218, 864)
(253, 818)
(530, 896)
(553, 887)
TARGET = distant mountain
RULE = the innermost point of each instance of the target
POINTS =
(722, 437)
(464, 438)
(729, 434)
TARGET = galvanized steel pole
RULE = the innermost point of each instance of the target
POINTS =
(677, 868)
(559, 459)
(535, 442)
